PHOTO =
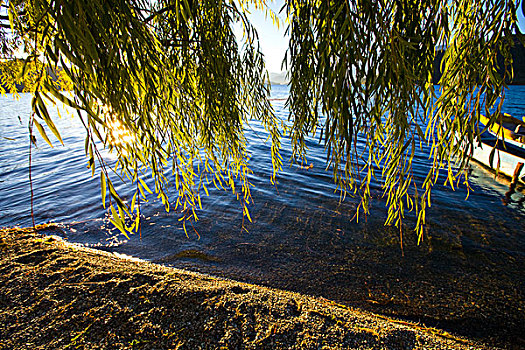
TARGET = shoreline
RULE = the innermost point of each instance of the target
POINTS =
(55, 294)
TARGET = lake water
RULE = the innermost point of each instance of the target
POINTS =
(468, 269)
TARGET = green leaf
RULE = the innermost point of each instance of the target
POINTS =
(133, 200)
(103, 188)
(47, 118)
(116, 197)
(143, 184)
(51, 54)
(42, 132)
(117, 221)
(491, 157)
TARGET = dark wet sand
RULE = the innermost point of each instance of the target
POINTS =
(57, 295)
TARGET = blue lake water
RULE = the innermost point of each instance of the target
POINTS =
(302, 236)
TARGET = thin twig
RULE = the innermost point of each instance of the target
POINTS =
(30, 177)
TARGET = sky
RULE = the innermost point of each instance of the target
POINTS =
(274, 43)
(272, 39)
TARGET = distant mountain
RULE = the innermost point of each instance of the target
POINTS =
(278, 78)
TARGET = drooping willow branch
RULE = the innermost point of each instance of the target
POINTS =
(175, 76)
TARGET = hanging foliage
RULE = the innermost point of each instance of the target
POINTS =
(363, 71)
(173, 78)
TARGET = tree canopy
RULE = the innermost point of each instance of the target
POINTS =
(173, 75)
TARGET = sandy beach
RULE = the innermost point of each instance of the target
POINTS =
(57, 295)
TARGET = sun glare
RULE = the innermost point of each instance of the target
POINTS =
(119, 134)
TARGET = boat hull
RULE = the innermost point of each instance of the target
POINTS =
(506, 156)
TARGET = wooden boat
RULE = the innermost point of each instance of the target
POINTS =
(509, 139)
